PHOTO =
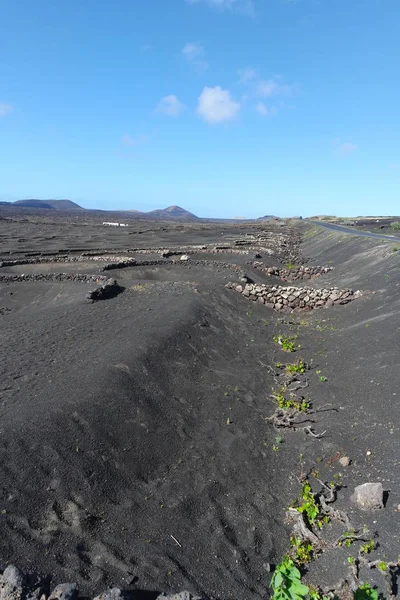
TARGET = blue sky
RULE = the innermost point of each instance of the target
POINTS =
(225, 107)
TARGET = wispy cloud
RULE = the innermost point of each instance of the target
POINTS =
(246, 75)
(195, 54)
(264, 110)
(216, 105)
(345, 148)
(5, 109)
(246, 7)
(272, 87)
(170, 106)
(128, 140)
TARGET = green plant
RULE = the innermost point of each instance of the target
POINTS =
(395, 249)
(290, 266)
(365, 592)
(382, 566)
(298, 367)
(278, 442)
(286, 582)
(288, 343)
(292, 402)
(323, 378)
(302, 551)
(367, 547)
(395, 225)
(349, 539)
(308, 506)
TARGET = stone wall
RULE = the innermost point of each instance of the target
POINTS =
(79, 277)
(294, 298)
(293, 274)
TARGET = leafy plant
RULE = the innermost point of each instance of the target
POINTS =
(367, 547)
(395, 225)
(286, 582)
(365, 592)
(288, 343)
(298, 367)
(323, 378)
(308, 506)
(302, 550)
(292, 402)
(348, 541)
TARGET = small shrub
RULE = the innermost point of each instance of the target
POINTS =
(308, 506)
(365, 592)
(288, 343)
(286, 582)
(302, 551)
(395, 225)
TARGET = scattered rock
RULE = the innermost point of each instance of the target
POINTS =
(64, 591)
(13, 576)
(111, 594)
(184, 257)
(109, 289)
(345, 461)
(368, 496)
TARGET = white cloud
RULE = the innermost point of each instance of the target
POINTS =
(271, 87)
(170, 106)
(346, 148)
(264, 110)
(247, 75)
(128, 140)
(244, 6)
(216, 105)
(5, 109)
(194, 54)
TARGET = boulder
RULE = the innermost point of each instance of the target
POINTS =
(368, 496)
(64, 591)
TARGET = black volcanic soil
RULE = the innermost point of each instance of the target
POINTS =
(134, 446)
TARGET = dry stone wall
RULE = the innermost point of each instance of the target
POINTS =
(294, 298)
(293, 274)
(77, 277)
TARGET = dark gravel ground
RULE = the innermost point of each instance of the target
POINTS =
(134, 449)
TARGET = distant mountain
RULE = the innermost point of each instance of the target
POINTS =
(175, 213)
(267, 218)
(49, 204)
(172, 212)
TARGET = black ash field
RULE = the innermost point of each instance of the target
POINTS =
(135, 445)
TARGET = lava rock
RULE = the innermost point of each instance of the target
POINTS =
(111, 594)
(109, 289)
(64, 591)
(368, 496)
(13, 576)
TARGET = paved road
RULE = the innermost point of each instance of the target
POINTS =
(379, 236)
